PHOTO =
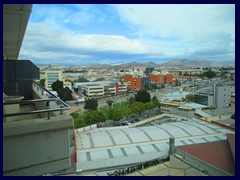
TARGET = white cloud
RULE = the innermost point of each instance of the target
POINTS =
(54, 42)
(158, 31)
(167, 19)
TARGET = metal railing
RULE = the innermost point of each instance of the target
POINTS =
(48, 110)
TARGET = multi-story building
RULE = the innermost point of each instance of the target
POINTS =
(222, 96)
(157, 79)
(168, 78)
(218, 96)
(138, 83)
(52, 75)
(97, 89)
(93, 90)
(149, 70)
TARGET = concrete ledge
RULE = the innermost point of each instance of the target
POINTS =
(36, 125)
(40, 169)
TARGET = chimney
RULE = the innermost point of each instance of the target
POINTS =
(171, 145)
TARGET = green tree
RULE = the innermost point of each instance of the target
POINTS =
(79, 122)
(186, 74)
(114, 114)
(137, 107)
(209, 74)
(148, 106)
(57, 85)
(155, 99)
(65, 94)
(109, 102)
(233, 116)
(93, 117)
(74, 115)
(99, 79)
(189, 97)
(131, 101)
(143, 96)
(81, 79)
(154, 86)
(91, 104)
(42, 82)
(126, 112)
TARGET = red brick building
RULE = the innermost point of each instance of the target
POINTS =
(168, 78)
(160, 78)
(127, 77)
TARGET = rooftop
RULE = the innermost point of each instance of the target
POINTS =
(218, 154)
(113, 147)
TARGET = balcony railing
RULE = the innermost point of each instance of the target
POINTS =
(61, 106)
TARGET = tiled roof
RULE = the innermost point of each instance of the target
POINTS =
(218, 154)
(231, 142)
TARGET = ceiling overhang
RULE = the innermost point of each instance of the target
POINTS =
(15, 20)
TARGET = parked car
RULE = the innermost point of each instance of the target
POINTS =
(136, 120)
(126, 123)
(145, 115)
(132, 121)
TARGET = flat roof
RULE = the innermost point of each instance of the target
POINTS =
(169, 103)
(195, 105)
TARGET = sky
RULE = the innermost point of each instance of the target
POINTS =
(82, 34)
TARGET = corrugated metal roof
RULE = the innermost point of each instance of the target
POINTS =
(113, 147)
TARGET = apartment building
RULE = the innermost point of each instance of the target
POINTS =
(138, 83)
(52, 75)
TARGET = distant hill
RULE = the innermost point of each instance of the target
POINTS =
(197, 63)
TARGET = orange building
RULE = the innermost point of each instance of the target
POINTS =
(160, 78)
(127, 77)
(136, 83)
(168, 78)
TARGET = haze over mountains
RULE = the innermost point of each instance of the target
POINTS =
(172, 63)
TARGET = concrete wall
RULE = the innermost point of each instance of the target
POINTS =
(37, 146)
(215, 118)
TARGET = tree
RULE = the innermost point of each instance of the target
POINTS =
(209, 74)
(99, 79)
(148, 106)
(126, 112)
(114, 114)
(186, 74)
(155, 99)
(143, 96)
(65, 94)
(91, 104)
(93, 117)
(154, 86)
(109, 102)
(42, 82)
(131, 101)
(233, 116)
(57, 85)
(81, 79)
(190, 97)
(137, 107)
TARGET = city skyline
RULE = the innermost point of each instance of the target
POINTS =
(104, 34)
